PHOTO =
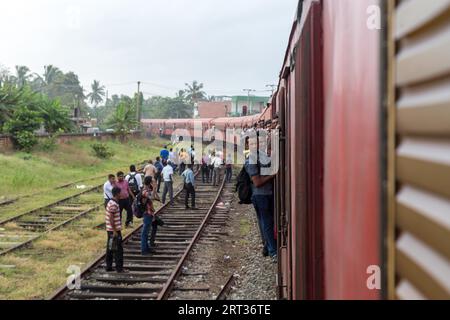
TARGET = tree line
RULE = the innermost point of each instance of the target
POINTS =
(51, 100)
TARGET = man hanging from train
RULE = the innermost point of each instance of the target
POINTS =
(262, 192)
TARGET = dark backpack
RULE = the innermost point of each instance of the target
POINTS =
(132, 182)
(244, 187)
(139, 207)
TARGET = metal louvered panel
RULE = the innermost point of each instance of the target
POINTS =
(422, 164)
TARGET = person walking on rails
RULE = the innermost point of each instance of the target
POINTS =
(228, 169)
(124, 198)
(114, 249)
(134, 180)
(205, 168)
(216, 162)
(189, 186)
(151, 171)
(108, 187)
(167, 174)
(149, 217)
(164, 154)
(158, 176)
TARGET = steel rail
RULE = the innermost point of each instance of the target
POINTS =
(165, 292)
(223, 294)
(58, 226)
(59, 293)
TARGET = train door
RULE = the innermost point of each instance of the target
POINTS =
(419, 150)
(282, 200)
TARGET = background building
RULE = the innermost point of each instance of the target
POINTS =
(235, 106)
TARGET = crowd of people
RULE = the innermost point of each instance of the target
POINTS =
(142, 188)
(126, 192)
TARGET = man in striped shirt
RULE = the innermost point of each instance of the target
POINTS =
(114, 249)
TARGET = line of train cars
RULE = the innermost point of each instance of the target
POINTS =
(363, 192)
(166, 127)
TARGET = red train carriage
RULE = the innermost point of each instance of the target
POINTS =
(363, 186)
(362, 199)
(327, 198)
(153, 127)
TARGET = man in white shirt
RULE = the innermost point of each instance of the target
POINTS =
(216, 162)
(134, 180)
(107, 188)
(167, 175)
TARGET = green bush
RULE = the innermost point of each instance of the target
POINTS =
(101, 151)
(48, 144)
(21, 126)
(25, 140)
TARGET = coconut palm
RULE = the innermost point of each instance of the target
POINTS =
(22, 75)
(180, 95)
(97, 93)
(50, 74)
(194, 91)
(123, 120)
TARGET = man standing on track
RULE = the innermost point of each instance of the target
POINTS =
(151, 171)
(124, 198)
(158, 176)
(114, 249)
(167, 174)
(164, 154)
(205, 168)
(134, 180)
(108, 187)
(228, 169)
(149, 217)
(216, 162)
(189, 186)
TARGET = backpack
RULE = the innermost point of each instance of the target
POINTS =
(244, 187)
(139, 207)
(132, 182)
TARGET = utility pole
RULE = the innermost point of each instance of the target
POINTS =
(138, 105)
(272, 87)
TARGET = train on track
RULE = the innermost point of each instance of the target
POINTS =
(362, 199)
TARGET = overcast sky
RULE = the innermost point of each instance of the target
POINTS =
(228, 45)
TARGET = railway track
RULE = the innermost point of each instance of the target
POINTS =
(154, 277)
(9, 201)
(21, 230)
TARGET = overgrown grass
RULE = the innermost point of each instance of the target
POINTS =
(40, 172)
(37, 272)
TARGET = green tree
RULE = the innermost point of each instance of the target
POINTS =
(50, 74)
(22, 125)
(54, 116)
(123, 120)
(12, 98)
(22, 76)
(4, 75)
(194, 92)
(97, 93)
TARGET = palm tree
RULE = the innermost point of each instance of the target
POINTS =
(123, 120)
(180, 95)
(55, 117)
(22, 75)
(97, 94)
(50, 74)
(194, 92)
